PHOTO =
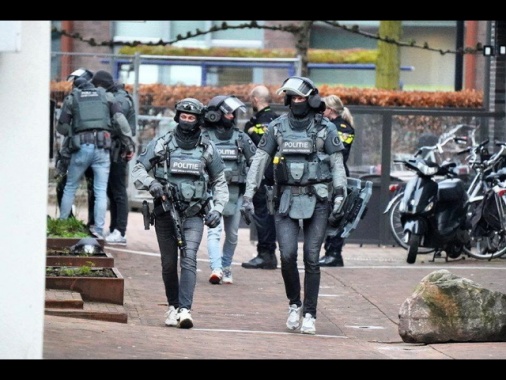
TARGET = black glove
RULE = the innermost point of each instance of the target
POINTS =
(156, 189)
(213, 219)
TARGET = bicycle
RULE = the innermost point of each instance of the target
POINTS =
(490, 177)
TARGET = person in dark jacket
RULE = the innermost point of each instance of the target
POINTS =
(120, 156)
(260, 98)
(342, 118)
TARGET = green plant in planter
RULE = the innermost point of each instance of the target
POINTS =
(70, 227)
(82, 271)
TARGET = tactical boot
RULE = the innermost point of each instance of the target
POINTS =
(332, 259)
(264, 260)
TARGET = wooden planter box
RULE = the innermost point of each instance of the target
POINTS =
(103, 260)
(94, 289)
(61, 242)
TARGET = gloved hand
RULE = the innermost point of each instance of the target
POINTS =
(213, 219)
(338, 204)
(156, 189)
(128, 153)
(247, 205)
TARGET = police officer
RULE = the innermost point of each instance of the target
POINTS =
(260, 98)
(120, 156)
(191, 164)
(311, 185)
(63, 157)
(88, 117)
(237, 150)
(342, 118)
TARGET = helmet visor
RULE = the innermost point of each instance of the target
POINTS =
(296, 86)
(232, 104)
(189, 107)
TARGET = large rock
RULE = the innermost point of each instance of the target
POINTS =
(448, 308)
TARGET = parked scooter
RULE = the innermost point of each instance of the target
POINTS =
(433, 213)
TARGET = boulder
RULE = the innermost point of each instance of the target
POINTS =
(448, 308)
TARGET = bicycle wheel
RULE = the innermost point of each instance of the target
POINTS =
(486, 247)
(397, 230)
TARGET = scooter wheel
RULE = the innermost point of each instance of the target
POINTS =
(413, 243)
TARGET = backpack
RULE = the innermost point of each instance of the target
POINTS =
(485, 217)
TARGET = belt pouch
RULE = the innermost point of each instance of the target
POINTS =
(75, 143)
(284, 203)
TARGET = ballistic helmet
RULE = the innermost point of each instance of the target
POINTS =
(80, 73)
(301, 86)
(221, 105)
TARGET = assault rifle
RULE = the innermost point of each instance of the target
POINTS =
(171, 204)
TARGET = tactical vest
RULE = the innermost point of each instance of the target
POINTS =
(231, 151)
(90, 110)
(301, 160)
(128, 108)
(186, 169)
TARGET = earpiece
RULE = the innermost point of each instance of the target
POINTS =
(213, 116)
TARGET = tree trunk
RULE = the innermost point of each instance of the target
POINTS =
(302, 40)
(388, 66)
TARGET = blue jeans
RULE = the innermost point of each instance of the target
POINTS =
(315, 229)
(217, 260)
(179, 293)
(100, 162)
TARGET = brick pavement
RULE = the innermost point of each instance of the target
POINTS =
(357, 310)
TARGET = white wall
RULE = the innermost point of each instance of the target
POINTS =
(24, 143)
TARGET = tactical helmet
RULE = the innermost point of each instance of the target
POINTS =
(80, 73)
(190, 105)
(221, 105)
(301, 86)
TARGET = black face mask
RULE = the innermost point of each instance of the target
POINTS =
(227, 123)
(300, 109)
(187, 127)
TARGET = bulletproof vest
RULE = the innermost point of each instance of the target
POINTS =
(128, 108)
(90, 110)
(301, 159)
(187, 171)
(231, 150)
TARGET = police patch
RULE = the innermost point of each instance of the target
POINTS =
(144, 151)
(336, 141)
(263, 140)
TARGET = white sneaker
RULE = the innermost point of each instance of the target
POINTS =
(184, 318)
(171, 315)
(293, 321)
(227, 275)
(216, 276)
(115, 238)
(308, 325)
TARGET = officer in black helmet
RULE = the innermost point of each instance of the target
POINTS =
(89, 116)
(310, 182)
(188, 161)
(237, 150)
(78, 78)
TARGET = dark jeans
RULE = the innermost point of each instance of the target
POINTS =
(264, 222)
(314, 234)
(333, 244)
(118, 197)
(179, 293)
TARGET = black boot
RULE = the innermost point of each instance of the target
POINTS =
(264, 260)
(332, 259)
